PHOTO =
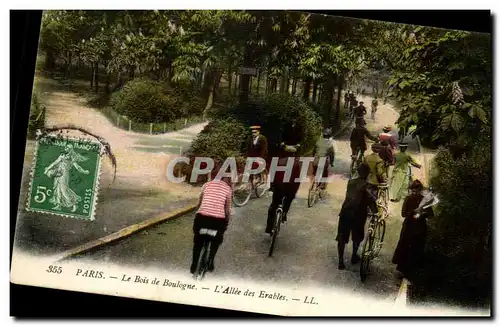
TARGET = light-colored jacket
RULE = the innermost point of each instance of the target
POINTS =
(325, 147)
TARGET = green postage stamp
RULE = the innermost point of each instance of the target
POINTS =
(65, 177)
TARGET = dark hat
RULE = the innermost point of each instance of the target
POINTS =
(416, 185)
(255, 127)
(403, 145)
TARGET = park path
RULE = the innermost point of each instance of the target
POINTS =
(305, 254)
(143, 168)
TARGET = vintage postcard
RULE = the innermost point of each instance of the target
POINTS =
(277, 162)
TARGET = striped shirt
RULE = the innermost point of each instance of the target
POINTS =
(216, 196)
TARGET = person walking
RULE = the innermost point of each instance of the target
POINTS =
(401, 174)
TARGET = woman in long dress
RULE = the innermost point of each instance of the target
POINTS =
(63, 196)
(410, 249)
(401, 176)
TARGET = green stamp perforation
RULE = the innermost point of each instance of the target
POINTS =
(65, 177)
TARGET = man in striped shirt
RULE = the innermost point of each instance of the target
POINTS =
(214, 210)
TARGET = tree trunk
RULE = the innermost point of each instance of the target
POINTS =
(92, 77)
(315, 92)
(340, 81)
(236, 83)
(245, 79)
(327, 99)
(307, 87)
(274, 85)
(294, 87)
(96, 84)
(259, 76)
(108, 79)
(212, 77)
(218, 76)
(50, 60)
(229, 80)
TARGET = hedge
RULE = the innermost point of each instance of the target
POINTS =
(146, 101)
(459, 248)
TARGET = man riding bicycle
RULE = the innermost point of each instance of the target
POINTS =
(376, 176)
(257, 146)
(325, 147)
(360, 110)
(292, 136)
(283, 188)
(215, 208)
(358, 141)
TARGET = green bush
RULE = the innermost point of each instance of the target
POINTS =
(144, 100)
(458, 252)
(219, 140)
(37, 114)
(273, 112)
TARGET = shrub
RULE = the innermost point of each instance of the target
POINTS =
(219, 139)
(37, 114)
(459, 244)
(273, 112)
(144, 100)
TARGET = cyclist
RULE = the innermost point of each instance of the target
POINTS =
(388, 140)
(292, 134)
(360, 110)
(386, 135)
(377, 174)
(324, 147)
(358, 134)
(283, 188)
(352, 216)
(387, 155)
(257, 145)
(215, 208)
(374, 107)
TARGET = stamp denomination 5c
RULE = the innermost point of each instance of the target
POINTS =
(65, 177)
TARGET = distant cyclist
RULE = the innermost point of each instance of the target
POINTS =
(215, 208)
(257, 146)
(360, 110)
(374, 107)
(358, 135)
(325, 147)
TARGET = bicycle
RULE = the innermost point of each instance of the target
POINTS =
(315, 192)
(243, 190)
(277, 225)
(376, 232)
(356, 161)
(374, 110)
(202, 264)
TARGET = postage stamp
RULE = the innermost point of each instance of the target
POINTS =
(65, 177)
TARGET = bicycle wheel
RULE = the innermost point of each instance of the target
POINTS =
(202, 265)
(259, 183)
(366, 256)
(276, 230)
(312, 195)
(379, 236)
(242, 192)
(353, 168)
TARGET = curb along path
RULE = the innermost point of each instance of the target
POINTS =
(125, 232)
